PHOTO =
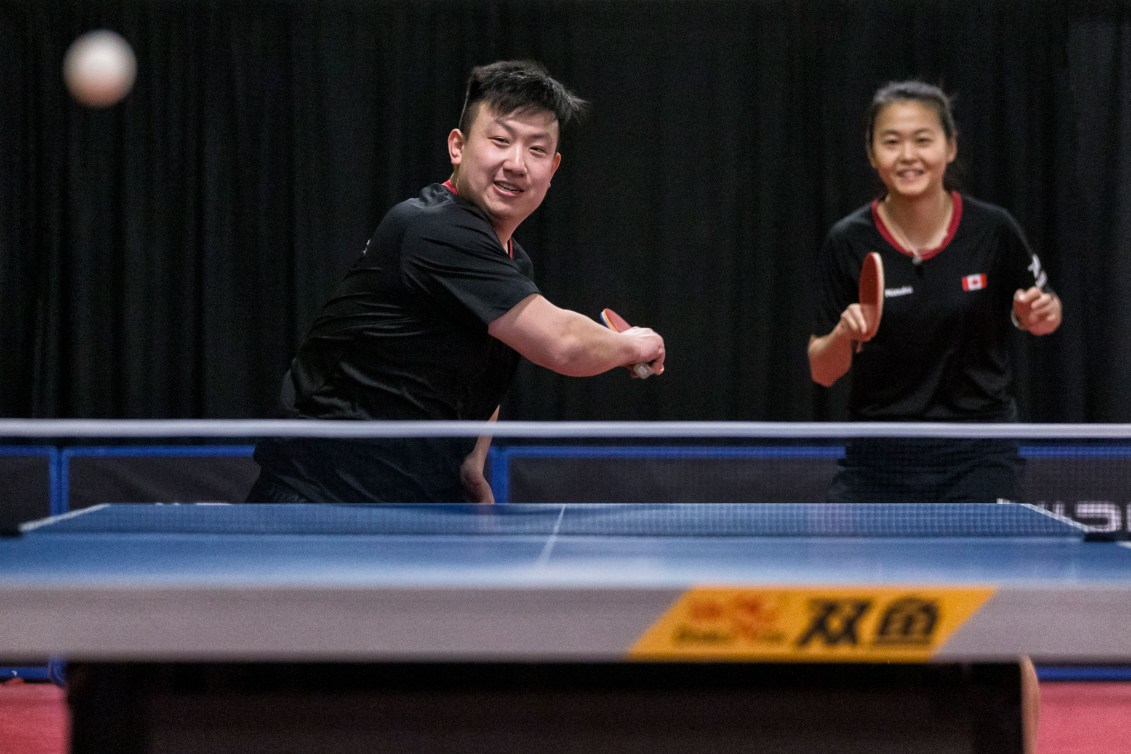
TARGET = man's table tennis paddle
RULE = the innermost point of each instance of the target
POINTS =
(617, 323)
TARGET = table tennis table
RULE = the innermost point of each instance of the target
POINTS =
(639, 627)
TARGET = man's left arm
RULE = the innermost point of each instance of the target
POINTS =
(475, 486)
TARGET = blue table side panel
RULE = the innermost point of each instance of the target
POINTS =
(1091, 673)
(28, 450)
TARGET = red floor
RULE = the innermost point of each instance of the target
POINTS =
(1085, 718)
(1076, 718)
(33, 718)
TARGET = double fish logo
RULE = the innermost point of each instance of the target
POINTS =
(810, 624)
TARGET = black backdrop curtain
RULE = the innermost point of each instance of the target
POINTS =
(163, 258)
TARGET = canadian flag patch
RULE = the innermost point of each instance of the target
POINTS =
(974, 282)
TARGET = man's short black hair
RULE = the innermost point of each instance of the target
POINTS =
(510, 86)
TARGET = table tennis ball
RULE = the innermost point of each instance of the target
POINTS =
(99, 68)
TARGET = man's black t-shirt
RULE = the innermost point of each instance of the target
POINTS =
(404, 338)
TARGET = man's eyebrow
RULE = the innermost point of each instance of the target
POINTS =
(545, 133)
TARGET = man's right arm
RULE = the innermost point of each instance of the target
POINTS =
(572, 344)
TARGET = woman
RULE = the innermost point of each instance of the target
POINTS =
(959, 275)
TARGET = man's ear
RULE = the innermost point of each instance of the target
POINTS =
(455, 146)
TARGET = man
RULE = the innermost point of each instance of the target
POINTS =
(431, 321)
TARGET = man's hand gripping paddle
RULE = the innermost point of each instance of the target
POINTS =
(617, 323)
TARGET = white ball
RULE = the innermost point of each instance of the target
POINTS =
(99, 68)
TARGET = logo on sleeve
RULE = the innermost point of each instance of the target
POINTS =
(974, 282)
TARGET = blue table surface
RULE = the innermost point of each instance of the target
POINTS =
(584, 544)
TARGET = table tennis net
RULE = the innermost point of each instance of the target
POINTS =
(1079, 472)
(542, 520)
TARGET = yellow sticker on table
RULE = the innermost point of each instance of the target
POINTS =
(810, 624)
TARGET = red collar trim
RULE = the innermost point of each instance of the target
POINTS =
(951, 229)
(510, 241)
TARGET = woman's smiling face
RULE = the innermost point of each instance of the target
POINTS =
(910, 150)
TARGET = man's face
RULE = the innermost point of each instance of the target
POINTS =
(505, 162)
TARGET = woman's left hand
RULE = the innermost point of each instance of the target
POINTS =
(1036, 311)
